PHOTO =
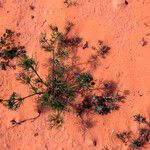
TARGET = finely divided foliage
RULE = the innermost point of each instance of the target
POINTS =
(65, 81)
(142, 137)
(9, 49)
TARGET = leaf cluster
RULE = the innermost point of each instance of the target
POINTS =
(102, 49)
(9, 49)
(143, 135)
(103, 104)
(65, 81)
(13, 102)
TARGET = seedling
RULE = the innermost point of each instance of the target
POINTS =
(123, 136)
(142, 138)
(102, 49)
(68, 27)
(144, 134)
(139, 118)
(93, 83)
(13, 102)
(55, 121)
(135, 144)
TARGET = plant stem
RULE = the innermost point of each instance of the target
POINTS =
(32, 86)
(23, 98)
(53, 74)
(38, 76)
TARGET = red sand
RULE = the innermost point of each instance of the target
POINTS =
(122, 27)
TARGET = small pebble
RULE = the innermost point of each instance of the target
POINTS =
(143, 42)
(32, 17)
(94, 142)
(32, 7)
(126, 2)
(86, 45)
(36, 134)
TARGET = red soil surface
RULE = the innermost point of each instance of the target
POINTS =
(122, 27)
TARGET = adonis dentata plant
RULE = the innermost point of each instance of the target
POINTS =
(65, 81)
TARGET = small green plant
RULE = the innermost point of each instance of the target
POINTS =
(68, 27)
(139, 118)
(102, 49)
(13, 102)
(9, 49)
(135, 144)
(70, 3)
(123, 136)
(64, 82)
(55, 121)
(143, 135)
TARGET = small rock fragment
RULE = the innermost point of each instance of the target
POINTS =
(143, 42)
(94, 142)
(32, 7)
(126, 2)
(36, 134)
(86, 45)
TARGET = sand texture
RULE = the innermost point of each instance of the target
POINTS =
(122, 27)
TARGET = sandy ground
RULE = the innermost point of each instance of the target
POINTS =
(122, 27)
